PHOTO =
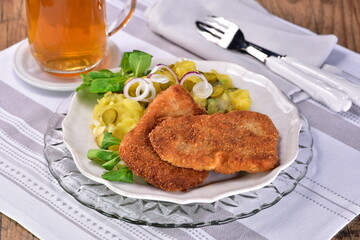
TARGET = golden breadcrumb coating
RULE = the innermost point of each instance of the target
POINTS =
(138, 154)
(225, 143)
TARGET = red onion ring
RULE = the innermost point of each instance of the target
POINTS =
(160, 66)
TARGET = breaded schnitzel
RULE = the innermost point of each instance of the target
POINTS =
(226, 143)
(138, 154)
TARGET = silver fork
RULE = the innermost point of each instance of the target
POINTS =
(332, 90)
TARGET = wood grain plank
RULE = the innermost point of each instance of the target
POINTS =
(12, 22)
(12, 230)
(350, 231)
(339, 17)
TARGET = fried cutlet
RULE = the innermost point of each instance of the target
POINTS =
(138, 154)
(226, 143)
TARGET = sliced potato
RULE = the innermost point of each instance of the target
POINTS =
(116, 114)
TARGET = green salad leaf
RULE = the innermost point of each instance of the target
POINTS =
(133, 64)
(125, 64)
(110, 160)
(139, 62)
(103, 85)
(123, 174)
(109, 140)
(104, 73)
(101, 155)
(109, 165)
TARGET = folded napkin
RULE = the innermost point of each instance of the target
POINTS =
(175, 20)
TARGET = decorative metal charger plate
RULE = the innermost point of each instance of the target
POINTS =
(165, 214)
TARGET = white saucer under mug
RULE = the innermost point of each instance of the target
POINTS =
(29, 70)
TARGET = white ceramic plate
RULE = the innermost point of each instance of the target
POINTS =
(29, 71)
(267, 99)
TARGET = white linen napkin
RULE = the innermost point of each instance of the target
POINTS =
(175, 20)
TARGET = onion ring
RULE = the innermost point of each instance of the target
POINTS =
(144, 86)
(160, 66)
(202, 89)
(158, 78)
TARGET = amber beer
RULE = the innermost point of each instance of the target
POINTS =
(67, 36)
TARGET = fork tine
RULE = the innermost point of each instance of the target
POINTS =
(214, 25)
(209, 32)
(208, 27)
(220, 21)
(218, 30)
(209, 37)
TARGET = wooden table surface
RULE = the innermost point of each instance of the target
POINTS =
(339, 17)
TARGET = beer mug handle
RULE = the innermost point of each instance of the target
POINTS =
(129, 5)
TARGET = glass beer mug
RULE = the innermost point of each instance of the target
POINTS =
(69, 36)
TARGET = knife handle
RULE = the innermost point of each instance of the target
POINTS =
(351, 89)
(335, 99)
